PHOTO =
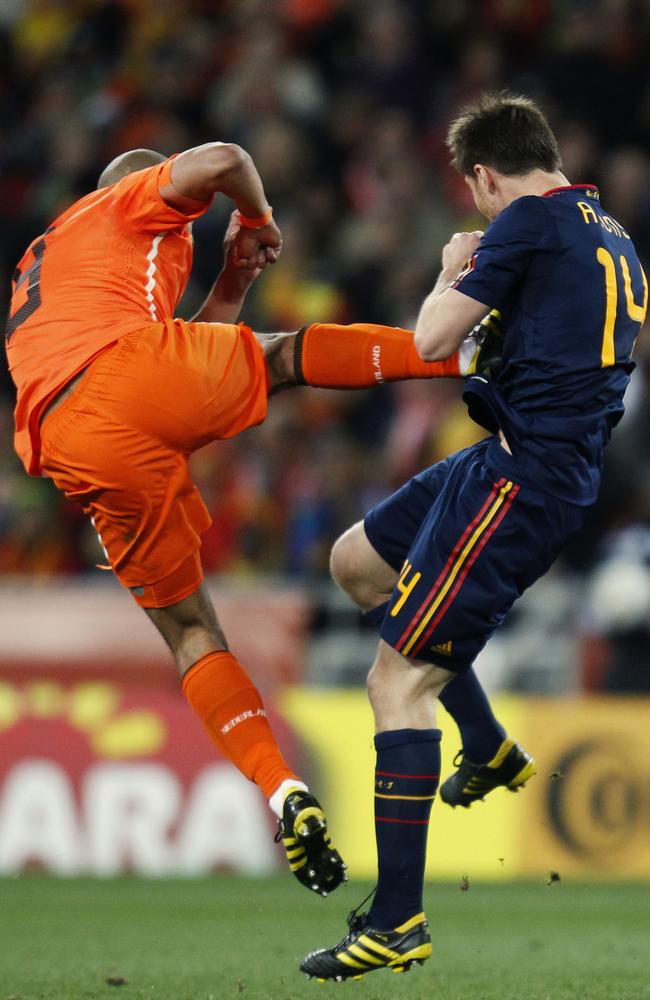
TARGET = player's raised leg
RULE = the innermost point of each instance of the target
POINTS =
(231, 709)
(357, 356)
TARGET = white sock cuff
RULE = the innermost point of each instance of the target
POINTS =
(276, 801)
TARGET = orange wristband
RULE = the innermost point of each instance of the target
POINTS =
(258, 222)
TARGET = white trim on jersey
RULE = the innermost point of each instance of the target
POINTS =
(151, 273)
(106, 555)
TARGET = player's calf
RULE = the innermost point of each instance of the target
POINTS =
(358, 356)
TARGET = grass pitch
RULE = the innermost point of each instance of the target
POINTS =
(229, 937)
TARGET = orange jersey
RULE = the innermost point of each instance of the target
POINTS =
(114, 262)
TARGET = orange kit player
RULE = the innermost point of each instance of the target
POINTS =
(114, 395)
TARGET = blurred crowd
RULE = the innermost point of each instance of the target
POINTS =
(343, 105)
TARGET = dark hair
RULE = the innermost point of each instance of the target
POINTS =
(504, 131)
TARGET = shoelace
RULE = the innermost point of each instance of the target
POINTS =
(458, 759)
(356, 921)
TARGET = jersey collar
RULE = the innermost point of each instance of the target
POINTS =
(571, 187)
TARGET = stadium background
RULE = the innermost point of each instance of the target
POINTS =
(343, 104)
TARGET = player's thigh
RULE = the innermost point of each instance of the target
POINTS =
(393, 525)
(184, 384)
(139, 494)
(483, 543)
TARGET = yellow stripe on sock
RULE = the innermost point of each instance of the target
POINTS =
(410, 798)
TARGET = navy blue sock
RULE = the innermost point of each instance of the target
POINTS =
(406, 780)
(376, 615)
(467, 703)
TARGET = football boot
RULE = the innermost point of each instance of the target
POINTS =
(303, 833)
(510, 768)
(366, 949)
(487, 335)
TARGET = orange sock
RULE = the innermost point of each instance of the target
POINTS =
(225, 698)
(361, 355)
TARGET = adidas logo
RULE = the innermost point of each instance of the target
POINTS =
(443, 647)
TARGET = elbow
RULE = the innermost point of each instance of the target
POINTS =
(429, 335)
(429, 346)
(421, 343)
(226, 160)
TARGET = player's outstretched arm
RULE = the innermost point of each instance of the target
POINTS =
(447, 316)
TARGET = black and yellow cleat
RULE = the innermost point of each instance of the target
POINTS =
(365, 949)
(488, 340)
(304, 836)
(510, 768)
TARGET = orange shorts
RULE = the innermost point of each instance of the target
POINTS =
(120, 443)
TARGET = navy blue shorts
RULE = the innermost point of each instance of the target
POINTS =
(467, 542)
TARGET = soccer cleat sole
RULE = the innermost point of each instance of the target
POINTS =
(308, 823)
(403, 967)
(311, 849)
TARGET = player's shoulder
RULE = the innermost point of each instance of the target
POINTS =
(526, 209)
(81, 205)
(137, 202)
(57, 231)
(524, 221)
(142, 182)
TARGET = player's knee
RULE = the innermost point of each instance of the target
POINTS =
(384, 681)
(346, 569)
(375, 686)
(340, 567)
(279, 354)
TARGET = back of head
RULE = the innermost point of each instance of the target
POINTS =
(127, 163)
(506, 132)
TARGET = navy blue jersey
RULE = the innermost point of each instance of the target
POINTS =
(570, 296)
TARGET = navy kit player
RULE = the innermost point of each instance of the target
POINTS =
(438, 565)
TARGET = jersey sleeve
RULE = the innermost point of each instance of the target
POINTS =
(139, 205)
(504, 252)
